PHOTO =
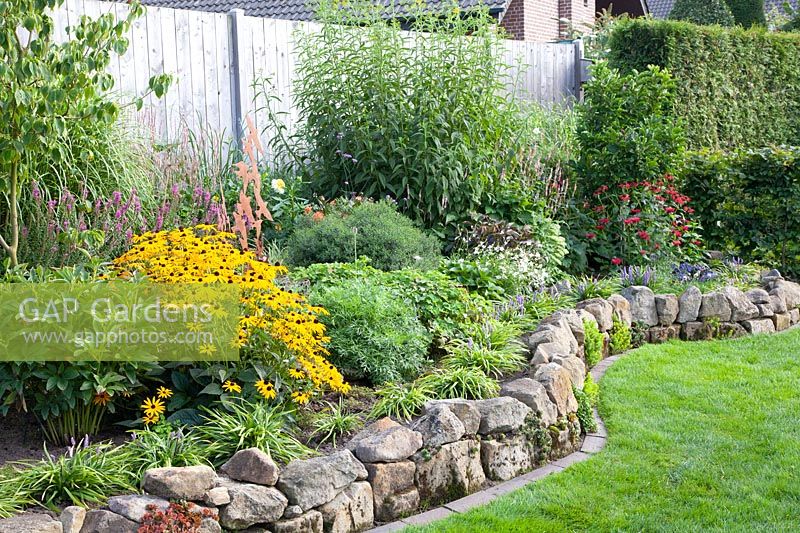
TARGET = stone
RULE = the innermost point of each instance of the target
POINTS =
(209, 525)
(545, 353)
(758, 296)
(730, 330)
(741, 306)
(31, 523)
(601, 310)
(351, 510)
(393, 444)
(556, 381)
(503, 460)
(574, 321)
(389, 480)
(465, 410)
(789, 291)
(217, 496)
(689, 305)
(501, 415)
(179, 483)
(562, 444)
(643, 304)
(72, 518)
(312, 482)
(770, 276)
(252, 504)
(621, 309)
(765, 310)
(252, 466)
(439, 426)
(662, 334)
(101, 521)
(794, 316)
(292, 511)
(534, 395)
(777, 303)
(575, 367)
(452, 472)
(696, 331)
(667, 309)
(557, 332)
(310, 522)
(759, 325)
(370, 430)
(781, 321)
(715, 305)
(134, 506)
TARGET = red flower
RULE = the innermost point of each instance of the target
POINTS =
(603, 221)
(676, 243)
(643, 252)
(616, 261)
(657, 246)
(600, 227)
(643, 235)
(669, 209)
(624, 197)
(696, 243)
(689, 210)
(677, 233)
(600, 190)
(599, 209)
(632, 220)
(591, 235)
(635, 211)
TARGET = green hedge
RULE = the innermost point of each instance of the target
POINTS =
(749, 203)
(737, 88)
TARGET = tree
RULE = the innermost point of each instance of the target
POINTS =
(45, 84)
(748, 12)
(703, 12)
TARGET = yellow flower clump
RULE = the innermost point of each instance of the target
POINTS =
(202, 254)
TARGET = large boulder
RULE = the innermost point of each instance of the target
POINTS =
(134, 506)
(788, 291)
(622, 309)
(534, 395)
(310, 522)
(782, 321)
(576, 368)
(667, 308)
(439, 426)
(760, 325)
(101, 521)
(557, 333)
(453, 471)
(391, 484)
(777, 303)
(643, 304)
(501, 415)
(393, 444)
(312, 482)
(351, 510)
(252, 504)
(741, 306)
(372, 429)
(601, 310)
(31, 523)
(180, 483)
(716, 306)
(503, 460)
(252, 466)
(72, 518)
(758, 296)
(556, 381)
(697, 331)
(572, 318)
(465, 410)
(689, 304)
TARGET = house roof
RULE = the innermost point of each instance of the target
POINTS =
(300, 9)
(660, 9)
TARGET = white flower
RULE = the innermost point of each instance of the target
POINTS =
(279, 185)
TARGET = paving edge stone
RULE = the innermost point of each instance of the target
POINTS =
(592, 443)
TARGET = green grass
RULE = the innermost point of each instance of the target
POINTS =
(702, 437)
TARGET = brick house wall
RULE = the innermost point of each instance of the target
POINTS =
(538, 20)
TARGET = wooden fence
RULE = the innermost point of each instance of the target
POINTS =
(214, 59)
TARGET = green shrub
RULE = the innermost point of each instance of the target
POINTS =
(717, 72)
(620, 334)
(463, 382)
(588, 287)
(749, 203)
(585, 413)
(162, 445)
(334, 422)
(374, 334)
(748, 12)
(593, 343)
(591, 389)
(401, 400)
(493, 362)
(704, 12)
(375, 230)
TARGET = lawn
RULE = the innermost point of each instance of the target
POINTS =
(702, 437)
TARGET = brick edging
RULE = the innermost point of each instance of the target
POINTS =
(592, 443)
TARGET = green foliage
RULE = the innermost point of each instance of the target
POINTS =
(243, 425)
(639, 331)
(374, 334)
(749, 202)
(45, 84)
(401, 400)
(375, 230)
(593, 343)
(717, 72)
(463, 382)
(587, 287)
(334, 422)
(591, 389)
(626, 129)
(85, 474)
(162, 445)
(748, 12)
(584, 412)
(703, 12)
(493, 362)
(620, 334)
(426, 124)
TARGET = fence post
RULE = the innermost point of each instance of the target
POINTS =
(577, 89)
(235, 17)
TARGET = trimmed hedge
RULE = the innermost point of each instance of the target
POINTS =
(703, 12)
(749, 203)
(737, 88)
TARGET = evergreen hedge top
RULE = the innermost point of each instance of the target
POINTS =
(736, 87)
